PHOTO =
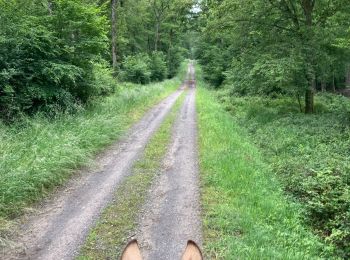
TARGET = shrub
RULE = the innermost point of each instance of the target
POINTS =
(175, 56)
(103, 83)
(158, 66)
(47, 60)
(136, 69)
(214, 62)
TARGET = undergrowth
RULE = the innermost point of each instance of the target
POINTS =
(245, 213)
(310, 156)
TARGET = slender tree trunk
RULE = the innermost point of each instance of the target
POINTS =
(149, 44)
(299, 102)
(333, 82)
(308, 7)
(170, 42)
(114, 32)
(347, 83)
(49, 7)
(156, 40)
(159, 9)
(309, 97)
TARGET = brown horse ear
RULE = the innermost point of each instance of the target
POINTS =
(192, 252)
(132, 251)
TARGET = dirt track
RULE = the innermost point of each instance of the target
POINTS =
(61, 224)
(172, 215)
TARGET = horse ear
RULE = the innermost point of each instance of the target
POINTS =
(192, 252)
(132, 251)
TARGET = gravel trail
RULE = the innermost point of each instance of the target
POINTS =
(172, 214)
(62, 223)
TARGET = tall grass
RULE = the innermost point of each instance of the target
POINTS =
(40, 153)
(245, 214)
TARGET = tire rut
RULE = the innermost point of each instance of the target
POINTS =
(172, 214)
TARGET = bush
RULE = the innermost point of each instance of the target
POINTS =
(214, 61)
(47, 60)
(175, 57)
(104, 82)
(269, 75)
(143, 68)
(136, 69)
(158, 66)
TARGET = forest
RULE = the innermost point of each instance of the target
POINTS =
(57, 54)
(273, 89)
(274, 61)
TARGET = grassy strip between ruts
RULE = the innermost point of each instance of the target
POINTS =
(39, 154)
(245, 213)
(119, 219)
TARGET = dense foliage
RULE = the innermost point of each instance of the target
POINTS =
(56, 54)
(146, 27)
(285, 52)
(310, 155)
(272, 47)
(143, 68)
(136, 69)
(47, 59)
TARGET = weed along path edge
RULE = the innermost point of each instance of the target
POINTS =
(61, 225)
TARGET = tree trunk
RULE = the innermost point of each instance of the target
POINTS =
(323, 86)
(49, 7)
(299, 102)
(308, 7)
(149, 44)
(347, 83)
(114, 33)
(170, 44)
(333, 82)
(156, 40)
(309, 98)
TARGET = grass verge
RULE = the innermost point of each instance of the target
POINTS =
(39, 154)
(245, 214)
(119, 219)
(309, 154)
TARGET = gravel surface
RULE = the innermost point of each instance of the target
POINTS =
(61, 224)
(171, 217)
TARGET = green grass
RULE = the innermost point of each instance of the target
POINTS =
(115, 226)
(39, 154)
(310, 156)
(245, 213)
